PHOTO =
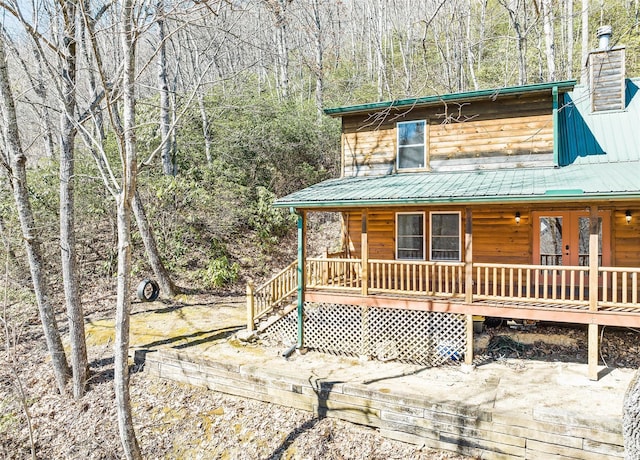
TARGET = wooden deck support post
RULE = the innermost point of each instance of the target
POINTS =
(468, 281)
(250, 306)
(593, 346)
(468, 352)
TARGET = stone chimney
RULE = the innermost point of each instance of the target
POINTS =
(606, 68)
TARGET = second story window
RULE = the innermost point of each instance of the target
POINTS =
(411, 145)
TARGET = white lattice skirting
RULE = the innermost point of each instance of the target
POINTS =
(419, 337)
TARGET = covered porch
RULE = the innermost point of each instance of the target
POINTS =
(591, 295)
(558, 244)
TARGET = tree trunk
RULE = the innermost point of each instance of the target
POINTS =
(319, 55)
(470, 59)
(631, 419)
(584, 74)
(75, 314)
(550, 46)
(162, 274)
(123, 306)
(380, 58)
(11, 255)
(18, 176)
(163, 83)
(279, 9)
(205, 128)
(40, 89)
(569, 16)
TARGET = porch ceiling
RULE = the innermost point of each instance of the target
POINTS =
(578, 182)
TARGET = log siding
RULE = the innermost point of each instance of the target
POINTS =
(513, 132)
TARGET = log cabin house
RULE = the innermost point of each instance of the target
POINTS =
(518, 202)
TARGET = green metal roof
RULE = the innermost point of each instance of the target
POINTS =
(562, 86)
(599, 137)
(577, 182)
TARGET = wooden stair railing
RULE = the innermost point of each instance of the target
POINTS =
(273, 294)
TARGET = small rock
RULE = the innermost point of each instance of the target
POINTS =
(467, 368)
(247, 336)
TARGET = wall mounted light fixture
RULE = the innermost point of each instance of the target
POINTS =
(628, 216)
(518, 218)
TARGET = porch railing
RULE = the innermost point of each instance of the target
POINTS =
(278, 289)
(417, 277)
(617, 287)
(559, 284)
(334, 273)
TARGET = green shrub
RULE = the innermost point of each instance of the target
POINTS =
(270, 223)
(219, 273)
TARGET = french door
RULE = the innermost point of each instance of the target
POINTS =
(562, 238)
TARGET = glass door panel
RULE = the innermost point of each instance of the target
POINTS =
(550, 240)
(562, 238)
(583, 241)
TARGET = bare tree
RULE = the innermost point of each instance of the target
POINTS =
(470, 57)
(79, 363)
(127, 192)
(518, 17)
(569, 36)
(317, 28)
(167, 286)
(168, 167)
(15, 161)
(278, 9)
(585, 41)
(550, 47)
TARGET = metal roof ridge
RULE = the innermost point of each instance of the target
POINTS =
(564, 85)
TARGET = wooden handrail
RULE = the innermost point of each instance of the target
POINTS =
(540, 283)
(417, 277)
(618, 286)
(273, 292)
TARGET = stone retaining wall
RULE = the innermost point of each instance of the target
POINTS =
(406, 417)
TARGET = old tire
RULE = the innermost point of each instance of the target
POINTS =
(148, 290)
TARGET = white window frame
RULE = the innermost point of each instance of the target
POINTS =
(424, 236)
(431, 214)
(423, 145)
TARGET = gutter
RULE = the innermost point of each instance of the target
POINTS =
(549, 196)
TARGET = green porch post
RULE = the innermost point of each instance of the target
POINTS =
(301, 276)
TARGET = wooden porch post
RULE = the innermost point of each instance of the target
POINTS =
(250, 306)
(468, 282)
(593, 291)
(364, 253)
(301, 274)
(364, 279)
